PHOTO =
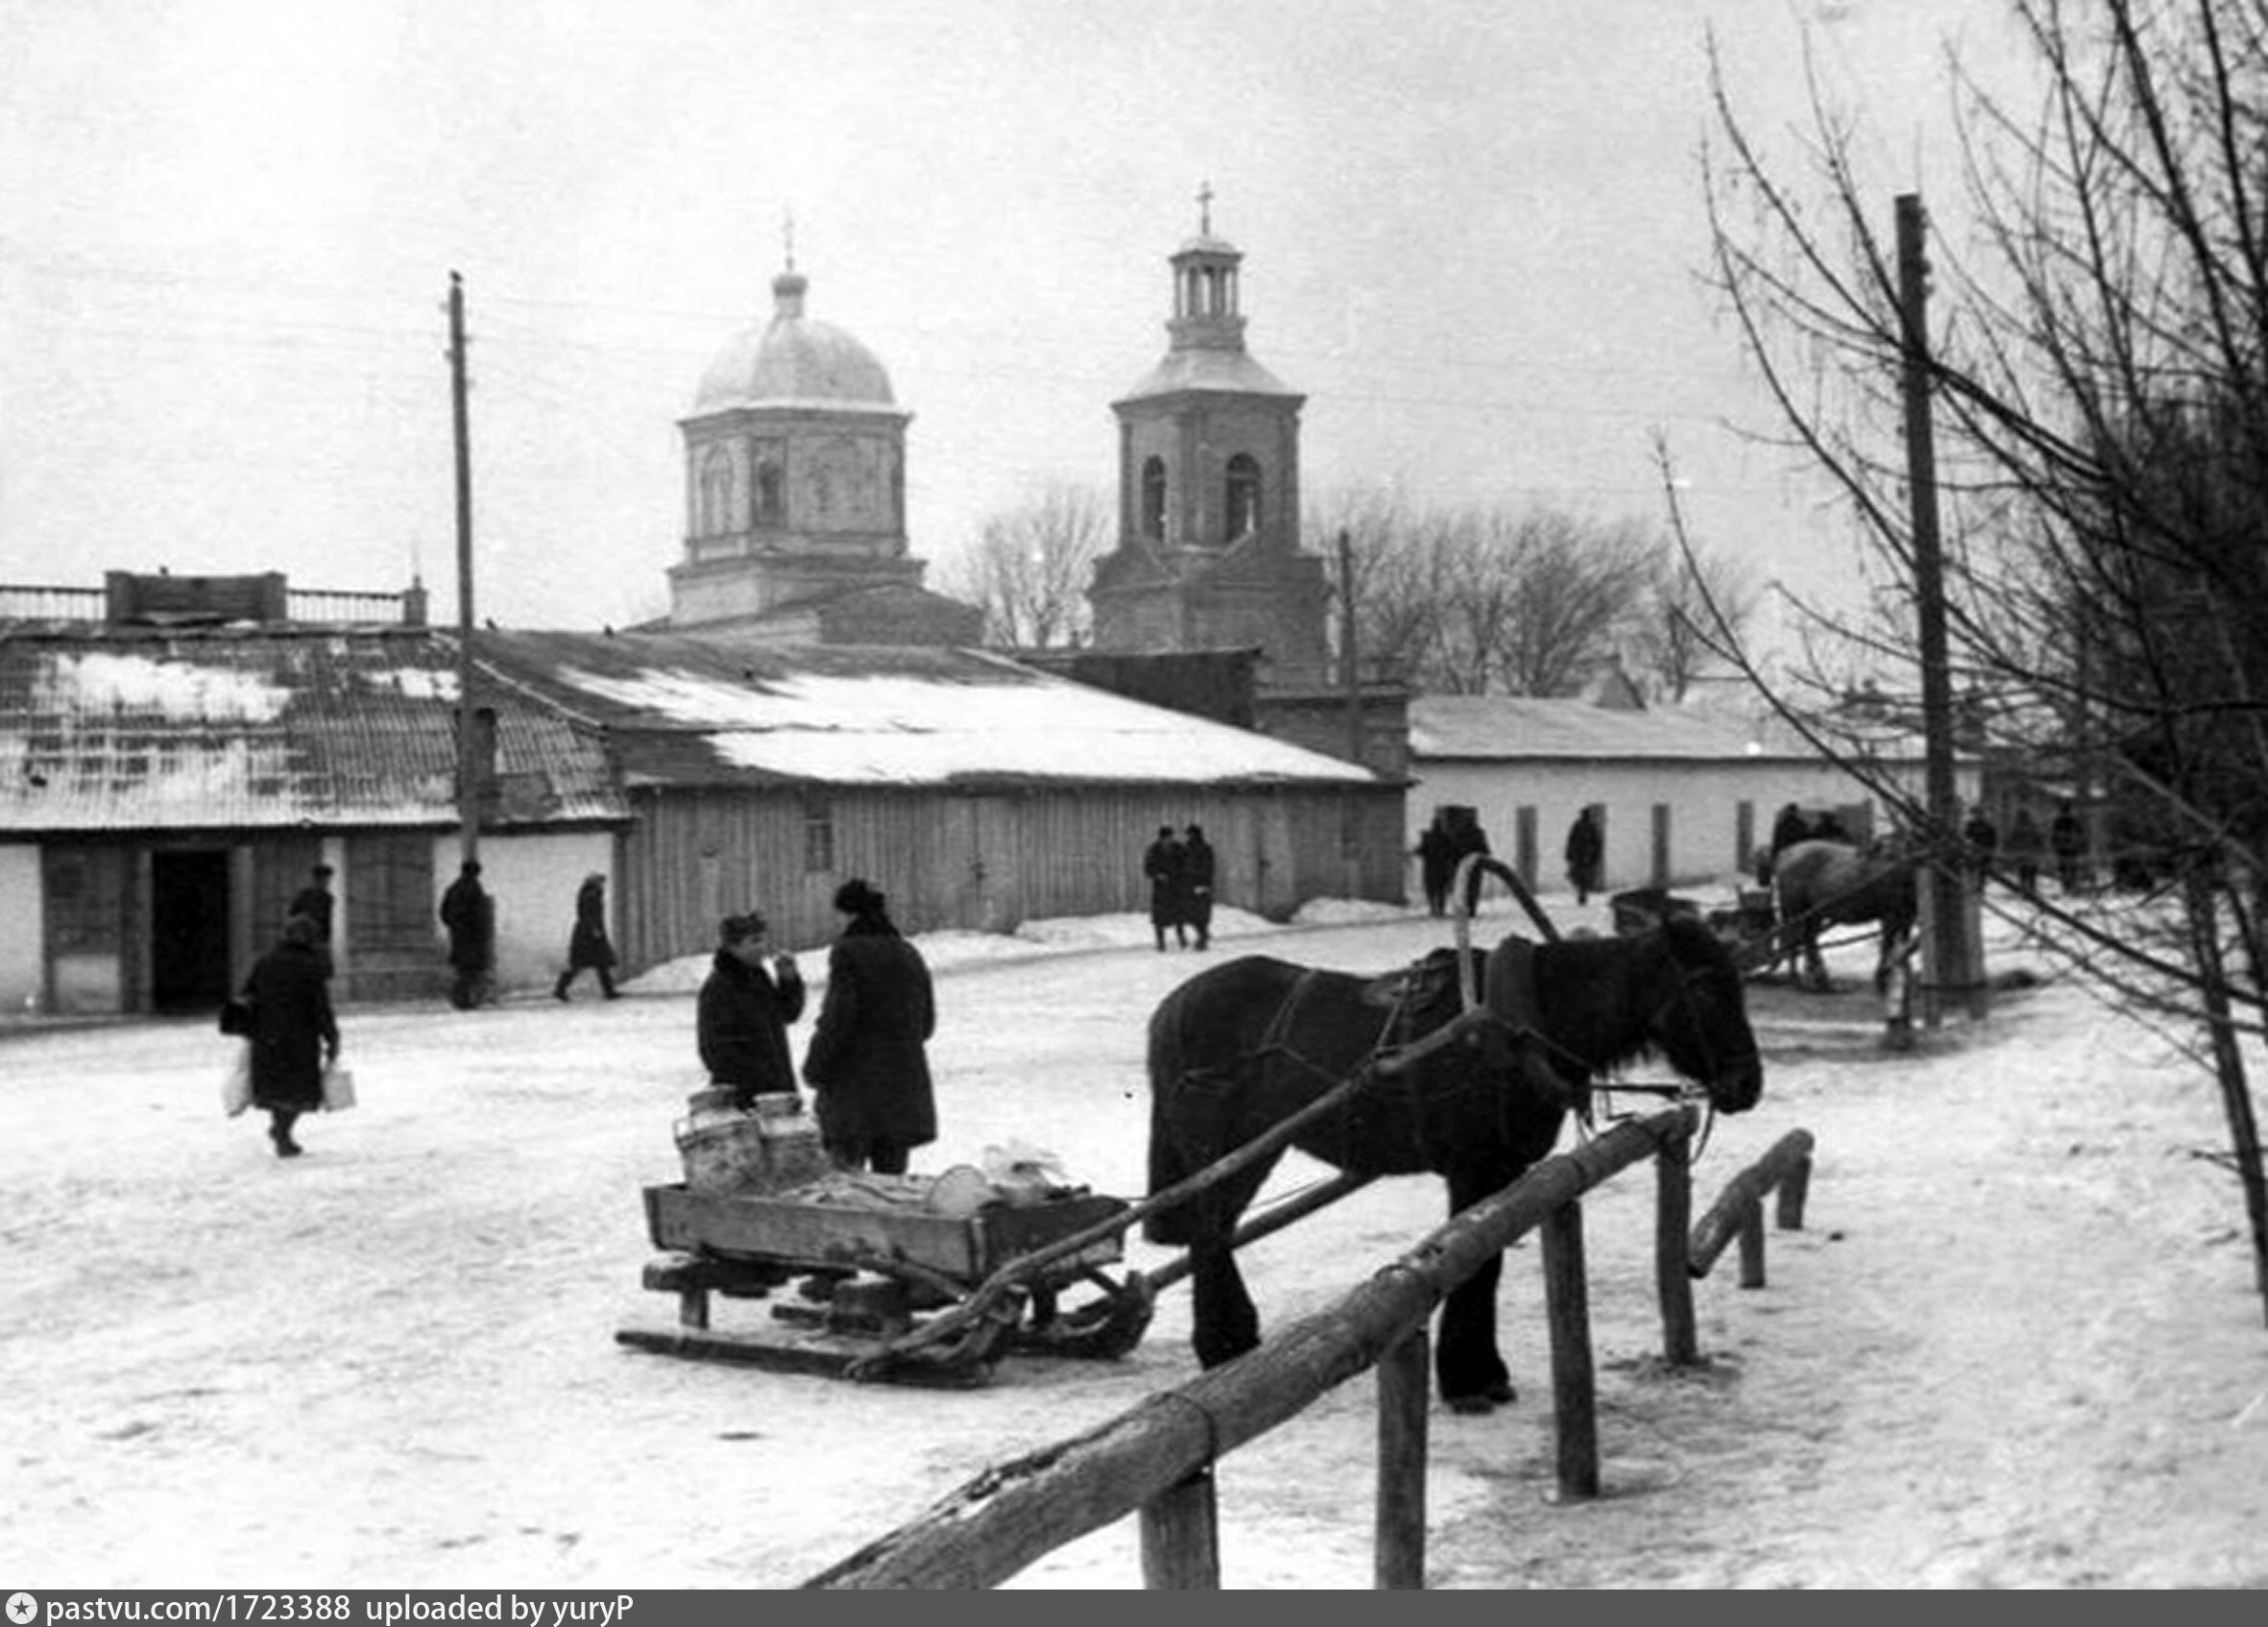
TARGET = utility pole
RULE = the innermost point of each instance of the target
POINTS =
(469, 727)
(1350, 675)
(1947, 966)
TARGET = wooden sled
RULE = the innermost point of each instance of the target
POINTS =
(867, 1283)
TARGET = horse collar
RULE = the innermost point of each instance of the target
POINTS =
(1512, 975)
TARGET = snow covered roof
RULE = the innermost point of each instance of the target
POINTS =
(1512, 728)
(1489, 728)
(685, 709)
(112, 728)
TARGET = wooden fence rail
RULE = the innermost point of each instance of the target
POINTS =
(1739, 1213)
(1155, 1459)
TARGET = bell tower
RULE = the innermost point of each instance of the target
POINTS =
(1208, 556)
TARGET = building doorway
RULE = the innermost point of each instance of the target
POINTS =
(189, 928)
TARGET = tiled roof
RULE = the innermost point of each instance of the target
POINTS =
(682, 709)
(116, 728)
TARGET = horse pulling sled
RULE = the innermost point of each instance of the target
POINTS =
(913, 1278)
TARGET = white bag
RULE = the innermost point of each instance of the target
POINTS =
(338, 1089)
(236, 1082)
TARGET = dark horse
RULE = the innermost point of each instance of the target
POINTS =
(1831, 883)
(1242, 1046)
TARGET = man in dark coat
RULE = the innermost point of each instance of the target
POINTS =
(1585, 852)
(1196, 884)
(471, 916)
(740, 1020)
(294, 1033)
(2025, 843)
(1436, 862)
(2068, 840)
(1466, 839)
(315, 902)
(588, 947)
(1161, 863)
(867, 1066)
(1788, 828)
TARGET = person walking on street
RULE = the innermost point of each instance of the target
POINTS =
(1436, 862)
(867, 1065)
(1197, 867)
(295, 1036)
(740, 1019)
(2068, 843)
(315, 902)
(588, 947)
(1585, 850)
(1980, 840)
(1161, 863)
(471, 916)
(2025, 846)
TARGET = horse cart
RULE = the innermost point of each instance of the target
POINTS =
(913, 1278)
(1748, 927)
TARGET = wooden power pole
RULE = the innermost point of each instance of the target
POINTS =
(1350, 673)
(469, 723)
(1947, 968)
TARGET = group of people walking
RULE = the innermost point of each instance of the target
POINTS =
(1180, 868)
(1451, 836)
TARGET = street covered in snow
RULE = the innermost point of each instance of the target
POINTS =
(2016, 1342)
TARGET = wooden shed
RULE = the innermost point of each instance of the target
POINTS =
(976, 791)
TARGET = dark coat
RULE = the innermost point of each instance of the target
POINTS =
(1583, 851)
(1162, 863)
(315, 903)
(1437, 860)
(866, 1066)
(587, 946)
(1196, 881)
(741, 1024)
(292, 1025)
(1789, 828)
(471, 916)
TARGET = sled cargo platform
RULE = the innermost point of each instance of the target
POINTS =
(872, 1276)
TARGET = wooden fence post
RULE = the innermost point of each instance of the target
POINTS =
(1181, 1536)
(1751, 1236)
(1673, 1220)
(1404, 1404)
(1575, 1398)
(1794, 1187)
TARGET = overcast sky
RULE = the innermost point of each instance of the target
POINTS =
(1473, 233)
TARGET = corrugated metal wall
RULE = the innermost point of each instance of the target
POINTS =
(981, 862)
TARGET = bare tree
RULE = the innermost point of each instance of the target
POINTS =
(1029, 567)
(1693, 604)
(2100, 378)
(1481, 601)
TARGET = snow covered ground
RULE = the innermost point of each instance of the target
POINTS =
(2016, 1345)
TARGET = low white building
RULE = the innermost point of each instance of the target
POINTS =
(1682, 798)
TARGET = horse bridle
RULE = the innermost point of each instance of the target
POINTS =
(1685, 1091)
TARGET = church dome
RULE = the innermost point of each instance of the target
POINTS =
(794, 361)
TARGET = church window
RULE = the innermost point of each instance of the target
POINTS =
(1153, 496)
(713, 511)
(769, 509)
(1244, 496)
